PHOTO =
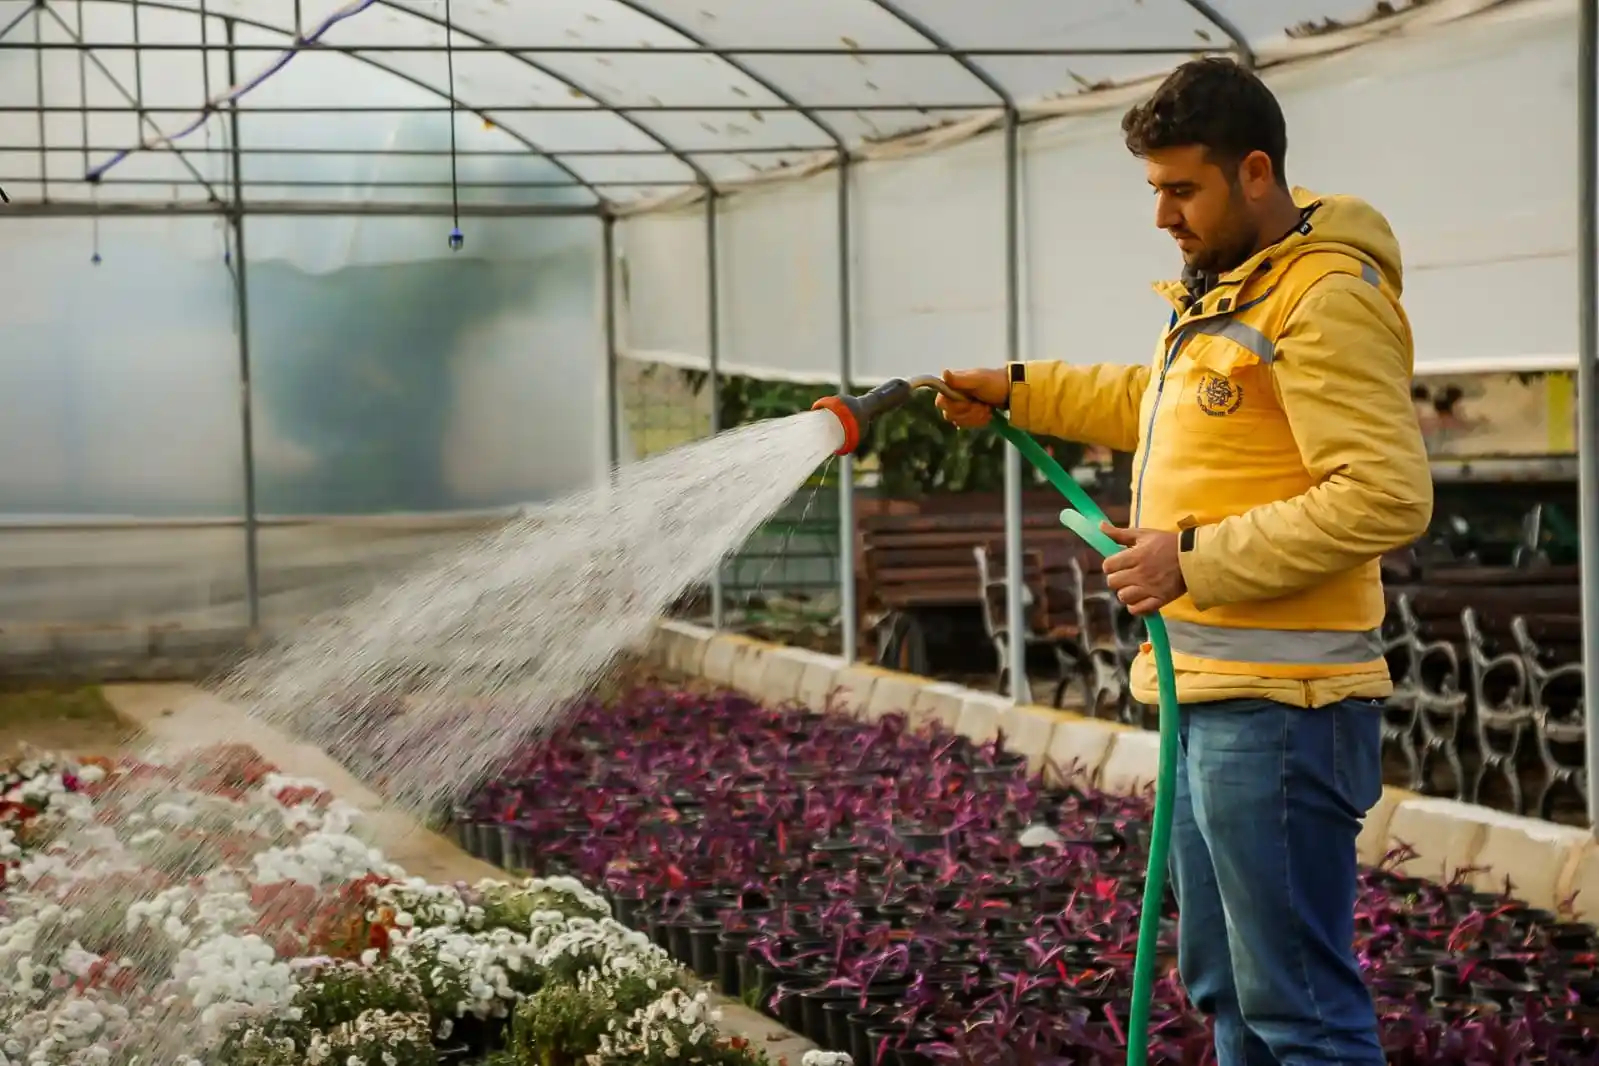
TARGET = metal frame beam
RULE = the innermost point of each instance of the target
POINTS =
(289, 209)
(1015, 589)
(315, 183)
(1588, 375)
(17, 20)
(444, 153)
(1241, 48)
(134, 102)
(713, 360)
(454, 103)
(694, 168)
(713, 357)
(705, 49)
(954, 107)
(613, 411)
(241, 285)
(848, 608)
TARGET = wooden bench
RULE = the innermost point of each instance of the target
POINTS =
(920, 569)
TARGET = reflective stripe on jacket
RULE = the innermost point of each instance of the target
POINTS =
(1275, 427)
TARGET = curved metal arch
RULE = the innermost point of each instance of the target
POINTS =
(1209, 12)
(605, 105)
(241, 20)
(938, 40)
(783, 95)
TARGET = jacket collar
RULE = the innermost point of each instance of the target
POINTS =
(1190, 289)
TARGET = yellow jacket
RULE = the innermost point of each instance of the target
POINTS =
(1275, 428)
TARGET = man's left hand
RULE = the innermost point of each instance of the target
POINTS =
(1146, 574)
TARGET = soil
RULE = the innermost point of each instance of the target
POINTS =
(71, 719)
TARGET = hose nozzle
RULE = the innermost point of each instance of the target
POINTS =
(855, 413)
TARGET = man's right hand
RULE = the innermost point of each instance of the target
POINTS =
(986, 389)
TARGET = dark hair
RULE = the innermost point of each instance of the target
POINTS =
(1212, 102)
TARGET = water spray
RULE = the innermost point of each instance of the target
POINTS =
(1083, 517)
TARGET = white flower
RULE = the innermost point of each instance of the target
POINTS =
(826, 1058)
(320, 858)
(230, 972)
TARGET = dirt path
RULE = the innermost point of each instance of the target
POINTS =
(73, 720)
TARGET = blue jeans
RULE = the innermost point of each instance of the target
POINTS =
(1269, 802)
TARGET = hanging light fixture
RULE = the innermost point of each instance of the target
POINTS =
(457, 240)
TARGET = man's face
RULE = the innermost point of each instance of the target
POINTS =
(1205, 208)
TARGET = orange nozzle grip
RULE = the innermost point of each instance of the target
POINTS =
(846, 418)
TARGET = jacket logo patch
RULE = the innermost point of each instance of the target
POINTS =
(1217, 396)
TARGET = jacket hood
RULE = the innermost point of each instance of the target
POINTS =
(1347, 222)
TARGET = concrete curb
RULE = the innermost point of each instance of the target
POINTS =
(184, 716)
(1549, 866)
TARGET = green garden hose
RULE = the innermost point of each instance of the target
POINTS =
(1083, 518)
(1084, 521)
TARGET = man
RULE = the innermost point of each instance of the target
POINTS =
(1278, 455)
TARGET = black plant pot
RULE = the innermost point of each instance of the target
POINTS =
(789, 1005)
(703, 940)
(515, 852)
(728, 969)
(626, 909)
(1447, 983)
(1571, 937)
(1577, 1042)
(1401, 989)
(862, 1047)
(480, 1035)
(456, 1055)
(680, 940)
(466, 832)
(488, 842)
(1461, 901)
(1462, 1007)
(901, 1042)
(765, 979)
(919, 841)
(837, 1028)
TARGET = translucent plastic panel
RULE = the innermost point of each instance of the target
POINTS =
(1091, 246)
(414, 387)
(931, 254)
(1496, 234)
(420, 140)
(405, 377)
(781, 310)
(887, 90)
(1264, 22)
(104, 80)
(1499, 233)
(662, 286)
(119, 396)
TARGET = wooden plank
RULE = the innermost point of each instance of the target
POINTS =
(1471, 576)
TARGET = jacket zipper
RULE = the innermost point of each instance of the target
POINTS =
(1154, 413)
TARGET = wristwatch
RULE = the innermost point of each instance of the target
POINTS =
(1017, 373)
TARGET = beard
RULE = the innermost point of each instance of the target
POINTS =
(1219, 255)
(1235, 242)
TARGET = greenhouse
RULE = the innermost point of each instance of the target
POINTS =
(300, 292)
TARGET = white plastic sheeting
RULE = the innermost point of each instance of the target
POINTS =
(1478, 180)
(668, 110)
(466, 381)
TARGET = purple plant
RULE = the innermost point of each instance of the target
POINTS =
(878, 868)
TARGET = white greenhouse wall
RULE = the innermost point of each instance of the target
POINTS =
(1464, 135)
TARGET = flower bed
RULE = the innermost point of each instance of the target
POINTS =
(911, 896)
(227, 915)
